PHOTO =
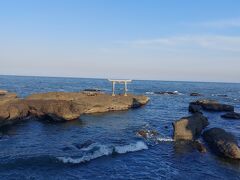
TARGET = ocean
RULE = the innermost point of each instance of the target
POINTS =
(105, 145)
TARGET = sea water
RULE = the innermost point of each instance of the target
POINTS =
(106, 146)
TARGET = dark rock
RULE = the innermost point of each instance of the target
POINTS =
(222, 143)
(211, 105)
(92, 90)
(231, 115)
(189, 128)
(167, 93)
(193, 108)
(146, 134)
(195, 94)
(199, 146)
(222, 95)
(85, 144)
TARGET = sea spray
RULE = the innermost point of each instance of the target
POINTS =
(166, 139)
(131, 147)
(103, 150)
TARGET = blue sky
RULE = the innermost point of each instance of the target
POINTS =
(138, 39)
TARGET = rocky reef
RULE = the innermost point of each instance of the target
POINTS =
(209, 105)
(222, 143)
(63, 106)
(189, 128)
(231, 115)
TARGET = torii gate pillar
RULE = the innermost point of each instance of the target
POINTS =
(120, 82)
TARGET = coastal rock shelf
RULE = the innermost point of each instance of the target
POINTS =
(63, 106)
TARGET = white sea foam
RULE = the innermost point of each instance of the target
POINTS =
(165, 139)
(149, 92)
(103, 150)
(131, 147)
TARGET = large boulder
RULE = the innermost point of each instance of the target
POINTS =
(222, 143)
(189, 128)
(231, 115)
(210, 105)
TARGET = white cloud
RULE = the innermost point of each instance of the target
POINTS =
(224, 23)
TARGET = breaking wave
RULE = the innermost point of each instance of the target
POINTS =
(165, 139)
(97, 150)
(164, 93)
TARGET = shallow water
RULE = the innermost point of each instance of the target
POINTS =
(105, 146)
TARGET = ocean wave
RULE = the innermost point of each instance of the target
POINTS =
(99, 150)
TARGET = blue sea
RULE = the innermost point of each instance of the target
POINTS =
(105, 146)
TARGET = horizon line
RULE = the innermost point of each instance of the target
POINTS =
(102, 78)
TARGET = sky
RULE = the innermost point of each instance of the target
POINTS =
(133, 39)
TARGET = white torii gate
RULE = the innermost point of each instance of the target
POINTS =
(114, 81)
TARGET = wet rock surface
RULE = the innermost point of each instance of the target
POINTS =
(189, 128)
(222, 143)
(209, 105)
(231, 115)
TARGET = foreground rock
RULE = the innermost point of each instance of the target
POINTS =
(209, 105)
(62, 106)
(189, 128)
(222, 143)
(231, 115)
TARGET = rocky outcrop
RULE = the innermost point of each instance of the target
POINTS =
(147, 134)
(189, 128)
(195, 94)
(63, 106)
(209, 105)
(222, 143)
(92, 90)
(167, 93)
(193, 108)
(231, 115)
(3, 92)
